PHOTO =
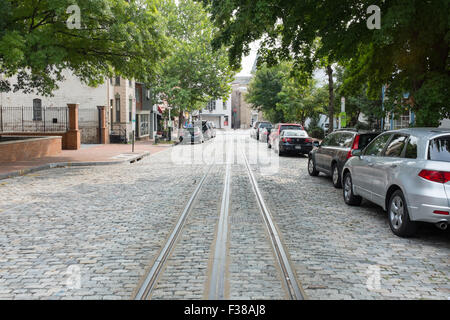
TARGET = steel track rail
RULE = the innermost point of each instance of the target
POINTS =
(294, 289)
(218, 271)
(151, 278)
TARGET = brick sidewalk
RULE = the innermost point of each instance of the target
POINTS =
(87, 155)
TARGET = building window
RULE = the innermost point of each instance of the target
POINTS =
(130, 82)
(138, 94)
(211, 105)
(225, 105)
(117, 108)
(117, 81)
(111, 81)
(37, 109)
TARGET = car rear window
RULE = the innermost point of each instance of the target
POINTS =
(439, 149)
(290, 128)
(265, 125)
(345, 140)
(294, 133)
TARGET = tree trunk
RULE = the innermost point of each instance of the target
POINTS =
(331, 99)
(180, 119)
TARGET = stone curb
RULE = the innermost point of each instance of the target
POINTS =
(71, 164)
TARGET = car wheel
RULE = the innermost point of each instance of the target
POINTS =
(349, 197)
(312, 168)
(398, 213)
(336, 177)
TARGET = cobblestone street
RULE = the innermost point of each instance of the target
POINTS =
(95, 232)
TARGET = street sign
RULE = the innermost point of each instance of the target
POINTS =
(343, 118)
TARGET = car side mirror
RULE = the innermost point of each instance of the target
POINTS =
(316, 144)
(356, 153)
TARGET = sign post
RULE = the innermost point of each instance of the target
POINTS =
(133, 124)
(170, 124)
(342, 115)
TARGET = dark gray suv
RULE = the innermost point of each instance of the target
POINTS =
(330, 156)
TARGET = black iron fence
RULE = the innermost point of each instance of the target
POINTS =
(89, 124)
(32, 119)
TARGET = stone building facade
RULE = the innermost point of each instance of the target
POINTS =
(243, 116)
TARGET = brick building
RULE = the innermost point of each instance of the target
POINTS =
(125, 100)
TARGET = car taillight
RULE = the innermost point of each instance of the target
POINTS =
(435, 176)
(355, 146)
(308, 140)
(286, 140)
(445, 213)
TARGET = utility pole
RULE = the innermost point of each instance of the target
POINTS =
(331, 99)
(170, 124)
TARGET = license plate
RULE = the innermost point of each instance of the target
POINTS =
(298, 147)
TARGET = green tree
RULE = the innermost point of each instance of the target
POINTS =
(298, 102)
(357, 100)
(264, 88)
(115, 37)
(410, 53)
(193, 73)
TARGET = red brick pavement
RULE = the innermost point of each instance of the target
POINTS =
(87, 154)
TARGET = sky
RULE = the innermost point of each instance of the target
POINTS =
(248, 61)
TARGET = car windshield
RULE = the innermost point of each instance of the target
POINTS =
(439, 149)
(294, 133)
(290, 127)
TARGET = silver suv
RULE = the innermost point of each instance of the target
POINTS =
(407, 173)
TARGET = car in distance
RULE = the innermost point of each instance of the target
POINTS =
(330, 156)
(264, 134)
(279, 127)
(192, 135)
(253, 129)
(212, 127)
(206, 130)
(256, 128)
(260, 127)
(407, 173)
(293, 141)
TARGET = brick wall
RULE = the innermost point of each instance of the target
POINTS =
(30, 149)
